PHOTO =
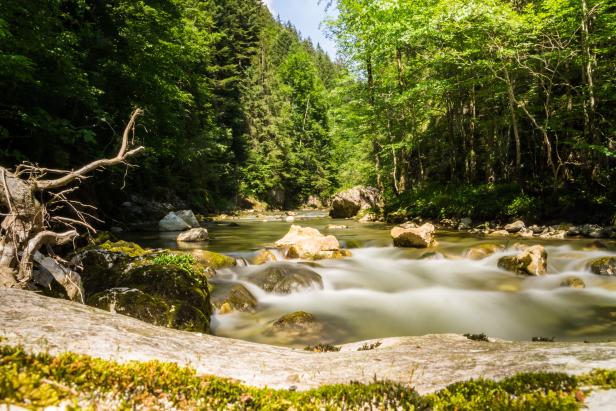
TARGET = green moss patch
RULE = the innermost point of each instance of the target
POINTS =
(80, 381)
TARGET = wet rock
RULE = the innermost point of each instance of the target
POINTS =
(285, 278)
(299, 322)
(414, 237)
(498, 233)
(525, 233)
(309, 243)
(532, 261)
(337, 227)
(214, 260)
(194, 235)
(263, 257)
(596, 245)
(449, 223)
(465, 224)
(348, 203)
(589, 231)
(515, 226)
(432, 256)
(603, 266)
(481, 251)
(178, 221)
(573, 282)
(554, 234)
(229, 297)
(133, 303)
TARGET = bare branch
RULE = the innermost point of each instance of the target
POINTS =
(83, 171)
(44, 237)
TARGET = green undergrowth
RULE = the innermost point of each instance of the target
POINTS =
(79, 382)
(503, 202)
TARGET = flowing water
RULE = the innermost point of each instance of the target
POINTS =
(382, 291)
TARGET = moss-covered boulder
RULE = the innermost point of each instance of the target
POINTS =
(531, 261)
(212, 259)
(227, 297)
(481, 251)
(299, 322)
(285, 278)
(603, 266)
(169, 289)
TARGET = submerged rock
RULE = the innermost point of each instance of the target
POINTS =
(498, 233)
(347, 204)
(531, 261)
(573, 282)
(233, 297)
(481, 251)
(603, 266)
(285, 278)
(193, 235)
(309, 243)
(415, 237)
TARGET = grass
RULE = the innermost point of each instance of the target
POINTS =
(78, 382)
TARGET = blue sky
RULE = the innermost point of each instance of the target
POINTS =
(307, 16)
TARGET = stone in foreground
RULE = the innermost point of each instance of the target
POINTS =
(408, 235)
(309, 243)
(530, 261)
(56, 326)
(285, 278)
(194, 235)
(603, 266)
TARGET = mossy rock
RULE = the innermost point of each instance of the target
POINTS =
(603, 266)
(298, 322)
(228, 297)
(102, 269)
(285, 278)
(133, 303)
(130, 249)
(102, 237)
(214, 260)
(531, 261)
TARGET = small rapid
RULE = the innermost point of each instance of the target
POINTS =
(382, 291)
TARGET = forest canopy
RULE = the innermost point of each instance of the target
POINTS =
(480, 108)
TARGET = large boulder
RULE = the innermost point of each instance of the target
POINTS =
(285, 278)
(408, 235)
(603, 266)
(347, 204)
(309, 243)
(194, 235)
(168, 290)
(178, 221)
(515, 226)
(530, 261)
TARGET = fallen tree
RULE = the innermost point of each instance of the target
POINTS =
(38, 214)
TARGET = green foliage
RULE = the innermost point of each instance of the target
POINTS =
(43, 380)
(183, 261)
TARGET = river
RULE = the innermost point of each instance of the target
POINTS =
(382, 291)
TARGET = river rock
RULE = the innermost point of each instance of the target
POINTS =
(299, 322)
(347, 204)
(573, 282)
(532, 261)
(213, 260)
(498, 233)
(285, 278)
(589, 231)
(228, 297)
(309, 243)
(465, 223)
(481, 251)
(337, 227)
(525, 233)
(603, 266)
(178, 221)
(264, 257)
(194, 235)
(515, 226)
(407, 235)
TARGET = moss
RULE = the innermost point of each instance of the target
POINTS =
(368, 347)
(214, 260)
(134, 303)
(103, 237)
(322, 348)
(477, 337)
(130, 249)
(37, 381)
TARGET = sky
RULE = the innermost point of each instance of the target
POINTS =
(306, 16)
